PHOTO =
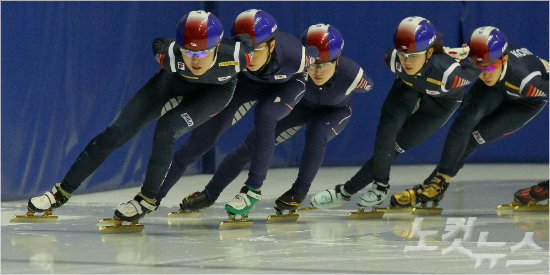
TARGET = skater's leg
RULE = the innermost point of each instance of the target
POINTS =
(143, 107)
(201, 139)
(229, 169)
(323, 127)
(429, 116)
(204, 137)
(207, 101)
(508, 118)
(276, 105)
(480, 102)
(232, 165)
(204, 102)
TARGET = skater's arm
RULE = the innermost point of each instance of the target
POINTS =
(161, 47)
(390, 57)
(534, 87)
(311, 54)
(246, 50)
(365, 84)
(468, 71)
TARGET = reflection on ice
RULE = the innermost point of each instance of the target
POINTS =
(320, 241)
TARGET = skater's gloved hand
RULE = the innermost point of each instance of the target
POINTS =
(458, 53)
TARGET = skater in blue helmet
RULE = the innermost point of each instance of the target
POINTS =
(511, 90)
(423, 97)
(190, 85)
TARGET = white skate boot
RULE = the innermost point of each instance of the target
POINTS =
(375, 196)
(330, 198)
(131, 212)
(50, 200)
(45, 203)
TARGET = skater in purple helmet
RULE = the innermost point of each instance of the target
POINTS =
(191, 85)
(512, 89)
(423, 97)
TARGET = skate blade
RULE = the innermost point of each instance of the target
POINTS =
(27, 218)
(283, 218)
(184, 213)
(426, 211)
(309, 208)
(235, 224)
(365, 215)
(103, 221)
(122, 228)
(532, 208)
(397, 210)
(506, 207)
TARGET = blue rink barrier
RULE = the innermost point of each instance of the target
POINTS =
(69, 67)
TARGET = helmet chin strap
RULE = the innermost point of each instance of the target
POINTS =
(264, 66)
(215, 57)
(427, 58)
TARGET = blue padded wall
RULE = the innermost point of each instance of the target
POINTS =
(69, 67)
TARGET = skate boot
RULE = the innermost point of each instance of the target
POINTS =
(434, 192)
(527, 199)
(192, 204)
(46, 203)
(329, 198)
(374, 197)
(131, 212)
(241, 204)
(290, 201)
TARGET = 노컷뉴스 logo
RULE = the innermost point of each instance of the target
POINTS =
(454, 226)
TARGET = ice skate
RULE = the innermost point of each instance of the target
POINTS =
(45, 203)
(527, 199)
(330, 198)
(127, 215)
(374, 198)
(290, 201)
(191, 205)
(102, 222)
(241, 204)
(432, 192)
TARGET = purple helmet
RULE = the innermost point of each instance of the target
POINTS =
(487, 44)
(326, 38)
(199, 30)
(258, 23)
(414, 34)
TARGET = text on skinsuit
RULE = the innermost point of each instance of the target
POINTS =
(521, 52)
(188, 119)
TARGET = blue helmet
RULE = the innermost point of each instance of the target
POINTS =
(199, 30)
(414, 34)
(326, 38)
(487, 44)
(258, 23)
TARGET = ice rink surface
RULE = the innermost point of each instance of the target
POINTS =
(321, 241)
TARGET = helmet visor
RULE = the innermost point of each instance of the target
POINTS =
(491, 67)
(199, 54)
(412, 56)
(322, 65)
